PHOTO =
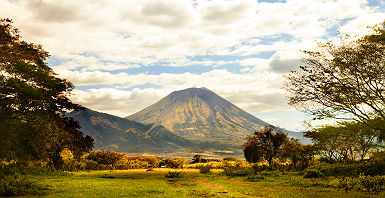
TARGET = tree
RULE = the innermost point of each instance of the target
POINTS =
(345, 141)
(345, 81)
(264, 145)
(33, 102)
(297, 152)
(197, 159)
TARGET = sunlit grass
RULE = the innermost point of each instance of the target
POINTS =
(153, 183)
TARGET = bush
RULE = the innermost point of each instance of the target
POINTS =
(15, 184)
(175, 163)
(372, 185)
(255, 178)
(237, 172)
(171, 174)
(354, 169)
(312, 173)
(347, 183)
(205, 170)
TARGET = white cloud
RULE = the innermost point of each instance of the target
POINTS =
(251, 91)
(90, 37)
(133, 31)
(358, 26)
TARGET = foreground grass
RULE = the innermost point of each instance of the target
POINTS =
(142, 183)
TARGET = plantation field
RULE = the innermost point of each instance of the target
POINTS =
(192, 183)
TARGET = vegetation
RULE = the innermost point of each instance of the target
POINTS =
(141, 183)
(347, 141)
(38, 142)
(264, 145)
(343, 81)
(32, 104)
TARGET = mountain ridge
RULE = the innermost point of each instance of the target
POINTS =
(115, 133)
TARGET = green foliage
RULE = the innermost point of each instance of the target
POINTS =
(106, 158)
(347, 183)
(32, 104)
(220, 165)
(300, 155)
(230, 159)
(312, 173)
(255, 178)
(205, 170)
(345, 141)
(237, 172)
(175, 163)
(353, 169)
(16, 185)
(344, 81)
(264, 145)
(100, 160)
(172, 174)
(370, 184)
(197, 159)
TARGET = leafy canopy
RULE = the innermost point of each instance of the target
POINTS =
(345, 81)
(264, 145)
(33, 102)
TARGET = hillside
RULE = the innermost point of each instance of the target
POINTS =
(115, 133)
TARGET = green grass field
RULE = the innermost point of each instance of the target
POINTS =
(142, 183)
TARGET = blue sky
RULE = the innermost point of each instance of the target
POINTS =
(123, 56)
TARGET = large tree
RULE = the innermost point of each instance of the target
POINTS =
(264, 145)
(33, 102)
(344, 81)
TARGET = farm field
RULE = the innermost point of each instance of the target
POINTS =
(192, 183)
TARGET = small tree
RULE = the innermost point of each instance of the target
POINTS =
(264, 145)
(197, 159)
(297, 152)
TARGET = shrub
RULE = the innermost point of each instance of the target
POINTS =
(175, 163)
(353, 169)
(205, 170)
(312, 173)
(347, 183)
(230, 159)
(370, 184)
(171, 174)
(237, 172)
(15, 184)
(255, 178)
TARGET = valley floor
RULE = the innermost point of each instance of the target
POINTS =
(143, 183)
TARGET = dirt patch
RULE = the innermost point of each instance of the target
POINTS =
(207, 184)
(175, 183)
(254, 185)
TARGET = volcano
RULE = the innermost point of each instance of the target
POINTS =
(200, 114)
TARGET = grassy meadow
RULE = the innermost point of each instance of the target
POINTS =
(191, 183)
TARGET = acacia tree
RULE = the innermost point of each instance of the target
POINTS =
(345, 81)
(345, 141)
(264, 145)
(33, 102)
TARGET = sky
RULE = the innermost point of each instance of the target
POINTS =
(124, 55)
